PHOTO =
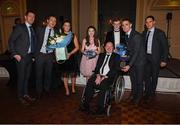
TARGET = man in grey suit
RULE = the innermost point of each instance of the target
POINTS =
(156, 55)
(22, 45)
(135, 48)
(44, 58)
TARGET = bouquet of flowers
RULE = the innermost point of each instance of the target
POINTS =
(58, 41)
(90, 54)
(59, 44)
(121, 49)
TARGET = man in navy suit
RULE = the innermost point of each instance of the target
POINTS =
(106, 68)
(22, 46)
(135, 48)
(156, 55)
(44, 58)
(116, 36)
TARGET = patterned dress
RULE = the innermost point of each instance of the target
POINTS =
(88, 65)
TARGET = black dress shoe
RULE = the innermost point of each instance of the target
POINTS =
(28, 98)
(129, 99)
(137, 102)
(146, 97)
(24, 102)
(84, 108)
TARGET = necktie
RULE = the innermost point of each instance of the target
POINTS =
(32, 39)
(126, 37)
(147, 36)
(105, 62)
(49, 35)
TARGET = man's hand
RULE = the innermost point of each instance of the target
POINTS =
(126, 68)
(98, 80)
(163, 64)
(17, 57)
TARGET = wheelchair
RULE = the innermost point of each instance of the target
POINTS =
(115, 92)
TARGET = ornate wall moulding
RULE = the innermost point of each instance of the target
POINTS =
(9, 8)
(166, 4)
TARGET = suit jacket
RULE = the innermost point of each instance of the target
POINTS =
(19, 40)
(136, 49)
(114, 64)
(110, 37)
(160, 47)
(40, 38)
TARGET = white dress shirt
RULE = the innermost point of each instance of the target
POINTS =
(149, 41)
(116, 38)
(29, 31)
(106, 68)
(43, 48)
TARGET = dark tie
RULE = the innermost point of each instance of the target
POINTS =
(49, 35)
(105, 62)
(126, 37)
(147, 37)
(32, 39)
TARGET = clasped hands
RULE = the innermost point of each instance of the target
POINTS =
(99, 78)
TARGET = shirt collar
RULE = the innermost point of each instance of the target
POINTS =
(152, 29)
(27, 24)
(128, 33)
(47, 27)
(109, 54)
(117, 31)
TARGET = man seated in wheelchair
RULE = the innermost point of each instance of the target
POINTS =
(106, 69)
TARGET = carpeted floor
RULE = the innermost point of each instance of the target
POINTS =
(57, 108)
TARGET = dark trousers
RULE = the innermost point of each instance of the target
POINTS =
(89, 91)
(136, 77)
(44, 65)
(151, 76)
(23, 72)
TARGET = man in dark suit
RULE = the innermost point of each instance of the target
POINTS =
(135, 48)
(105, 71)
(116, 36)
(156, 55)
(22, 45)
(43, 57)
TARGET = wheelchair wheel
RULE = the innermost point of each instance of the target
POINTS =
(119, 88)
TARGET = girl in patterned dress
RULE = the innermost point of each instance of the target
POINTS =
(90, 43)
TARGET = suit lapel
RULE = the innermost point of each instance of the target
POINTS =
(154, 36)
(42, 32)
(131, 36)
(103, 57)
(26, 30)
(111, 60)
(112, 35)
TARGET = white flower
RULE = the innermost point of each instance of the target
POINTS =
(59, 39)
(52, 42)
